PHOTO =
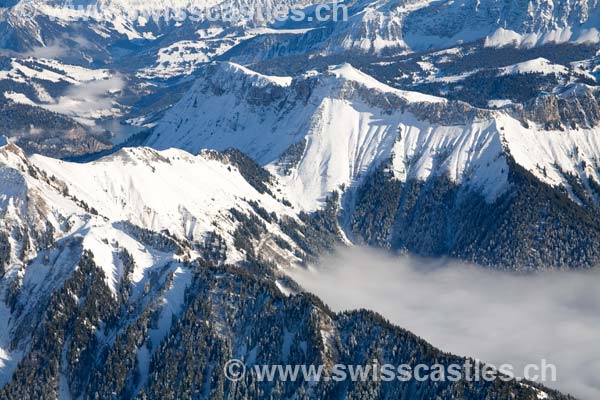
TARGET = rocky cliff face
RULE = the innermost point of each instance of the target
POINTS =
(577, 107)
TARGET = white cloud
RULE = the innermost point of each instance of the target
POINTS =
(89, 99)
(55, 50)
(494, 316)
(58, 48)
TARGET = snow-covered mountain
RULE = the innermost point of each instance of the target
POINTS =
(99, 283)
(336, 130)
(322, 133)
(502, 23)
(464, 129)
(383, 28)
(342, 123)
(160, 209)
(132, 187)
(338, 125)
(96, 29)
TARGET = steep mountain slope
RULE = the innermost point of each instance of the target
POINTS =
(334, 127)
(335, 124)
(332, 131)
(131, 211)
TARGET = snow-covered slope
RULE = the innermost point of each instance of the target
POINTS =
(319, 132)
(159, 207)
(264, 116)
(187, 196)
(138, 185)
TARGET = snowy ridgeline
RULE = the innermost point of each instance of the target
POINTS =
(342, 124)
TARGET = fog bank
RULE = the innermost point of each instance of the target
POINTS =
(497, 317)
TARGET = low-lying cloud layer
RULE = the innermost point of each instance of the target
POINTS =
(91, 99)
(493, 316)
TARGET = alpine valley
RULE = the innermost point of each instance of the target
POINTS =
(159, 178)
